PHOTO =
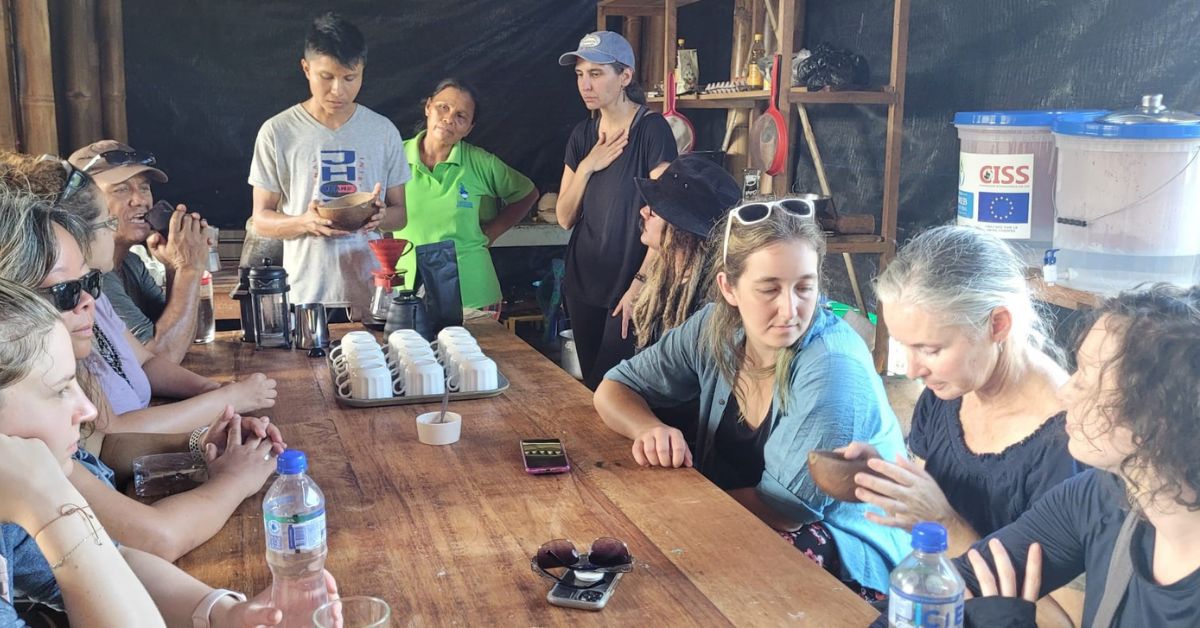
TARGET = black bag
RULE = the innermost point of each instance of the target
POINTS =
(437, 270)
(828, 66)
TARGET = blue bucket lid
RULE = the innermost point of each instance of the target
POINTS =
(1090, 125)
(1012, 118)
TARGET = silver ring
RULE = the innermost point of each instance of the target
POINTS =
(267, 457)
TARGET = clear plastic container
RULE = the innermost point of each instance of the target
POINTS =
(1128, 203)
(926, 590)
(294, 520)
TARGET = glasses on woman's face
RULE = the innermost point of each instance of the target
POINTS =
(752, 213)
(65, 295)
(111, 224)
(77, 179)
(605, 555)
(121, 158)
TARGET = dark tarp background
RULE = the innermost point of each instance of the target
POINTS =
(203, 76)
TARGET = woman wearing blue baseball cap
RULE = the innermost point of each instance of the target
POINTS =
(606, 262)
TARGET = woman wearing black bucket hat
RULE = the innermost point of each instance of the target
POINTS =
(605, 262)
(682, 207)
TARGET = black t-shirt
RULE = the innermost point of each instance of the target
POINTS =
(988, 490)
(738, 449)
(1077, 524)
(605, 251)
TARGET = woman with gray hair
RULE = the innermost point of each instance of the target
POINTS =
(988, 436)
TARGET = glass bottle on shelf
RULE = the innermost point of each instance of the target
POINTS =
(754, 75)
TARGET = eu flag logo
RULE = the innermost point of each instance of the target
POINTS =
(1004, 207)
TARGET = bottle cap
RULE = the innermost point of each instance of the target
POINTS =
(927, 536)
(293, 461)
(1049, 258)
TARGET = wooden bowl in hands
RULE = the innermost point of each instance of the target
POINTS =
(834, 474)
(349, 212)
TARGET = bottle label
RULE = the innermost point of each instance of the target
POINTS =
(298, 533)
(915, 611)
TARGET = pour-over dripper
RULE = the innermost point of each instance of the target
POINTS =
(389, 251)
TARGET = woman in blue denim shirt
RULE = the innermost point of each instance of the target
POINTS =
(775, 377)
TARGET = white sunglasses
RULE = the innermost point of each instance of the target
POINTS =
(758, 211)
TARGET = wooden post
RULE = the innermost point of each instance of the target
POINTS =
(82, 73)
(10, 129)
(111, 34)
(35, 76)
(670, 32)
(652, 61)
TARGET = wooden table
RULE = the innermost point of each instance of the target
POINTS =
(444, 534)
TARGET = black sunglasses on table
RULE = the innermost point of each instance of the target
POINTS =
(605, 555)
(65, 295)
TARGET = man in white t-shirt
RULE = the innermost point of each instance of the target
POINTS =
(323, 148)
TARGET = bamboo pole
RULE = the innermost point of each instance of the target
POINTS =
(10, 128)
(35, 76)
(82, 73)
(111, 35)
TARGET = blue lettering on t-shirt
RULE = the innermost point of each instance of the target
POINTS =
(338, 164)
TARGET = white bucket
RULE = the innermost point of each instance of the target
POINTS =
(1132, 208)
(569, 359)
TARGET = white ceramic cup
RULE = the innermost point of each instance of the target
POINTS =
(423, 377)
(453, 332)
(354, 335)
(352, 346)
(399, 340)
(453, 351)
(358, 365)
(474, 374)
(404, 349)
(432, 433)
(447, 345)
(369, 383)
(458, 358)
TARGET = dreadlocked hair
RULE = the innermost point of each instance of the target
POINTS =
(675, 277)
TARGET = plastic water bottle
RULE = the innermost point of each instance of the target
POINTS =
(294, 518)
(926, 590)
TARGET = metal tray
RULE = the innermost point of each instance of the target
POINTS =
(402, 400)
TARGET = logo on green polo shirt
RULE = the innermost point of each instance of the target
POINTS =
(464, 198)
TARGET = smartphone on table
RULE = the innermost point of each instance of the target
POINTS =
(544, 455)
(591, 591)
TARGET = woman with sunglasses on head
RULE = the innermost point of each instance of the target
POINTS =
(606, 264)
(54, 549)
(128, 372)
(987, 432)
(775, 377)
(1132, 521)
(238, 465)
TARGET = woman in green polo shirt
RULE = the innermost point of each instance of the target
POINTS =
(457, 190)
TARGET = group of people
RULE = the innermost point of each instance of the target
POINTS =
(699, 322)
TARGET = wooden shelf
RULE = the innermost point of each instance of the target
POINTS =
(858, 244)
(1061, 295)
(881, 96)
(638, 7)
(733, 100)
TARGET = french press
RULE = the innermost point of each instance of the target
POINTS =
(269, 300)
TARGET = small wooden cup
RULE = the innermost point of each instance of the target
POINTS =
(834, 474)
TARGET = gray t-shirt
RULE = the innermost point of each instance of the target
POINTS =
(135, 296)
(299, 158)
